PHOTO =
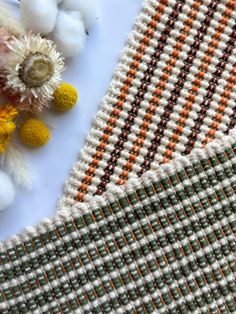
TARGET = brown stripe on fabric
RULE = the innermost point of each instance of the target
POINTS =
(160, 88)
(232, 123)
(145, 83)
(146, 165)
(230, 45)
(206, 62)
(219, 112)
(118, 106)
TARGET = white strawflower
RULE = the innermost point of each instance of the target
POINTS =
(32, 67)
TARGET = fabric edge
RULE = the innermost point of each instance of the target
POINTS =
(114, 191)
(62, 203)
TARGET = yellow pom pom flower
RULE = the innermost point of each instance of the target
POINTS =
(65, 97)
(34, 133)
(8, 113)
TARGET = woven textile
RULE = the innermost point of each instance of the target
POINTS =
(163, 241)
(163, 244)
(173, 90)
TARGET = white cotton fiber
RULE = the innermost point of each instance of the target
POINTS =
(7, 191)
(87, 8)
(69, 33)
(39, 16)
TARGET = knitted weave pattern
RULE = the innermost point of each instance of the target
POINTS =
(163, 244)
(173, 90)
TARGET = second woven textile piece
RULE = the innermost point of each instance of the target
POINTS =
(173, 90)
(164, 244)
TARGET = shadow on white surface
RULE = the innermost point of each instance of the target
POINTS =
(90, 73)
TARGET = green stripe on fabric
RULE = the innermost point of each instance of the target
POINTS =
(167, 245)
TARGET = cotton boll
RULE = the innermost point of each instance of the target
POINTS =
(69, 33)
(39, 15)
(7, 191)
(87, 8)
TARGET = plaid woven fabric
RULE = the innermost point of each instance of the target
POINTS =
(164, 243)
(173, 90)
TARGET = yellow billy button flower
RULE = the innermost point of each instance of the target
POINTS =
(8, 114)
(65, 97)
(34, 133)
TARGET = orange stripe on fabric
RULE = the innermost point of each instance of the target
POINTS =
(159, 89)
(155, 19)
(195, 86)
(220, 109)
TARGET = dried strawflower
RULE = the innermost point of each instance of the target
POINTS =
(33, 69)
(8, 114)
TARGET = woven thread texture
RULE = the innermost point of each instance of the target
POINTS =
(173, 90)
(163, 244)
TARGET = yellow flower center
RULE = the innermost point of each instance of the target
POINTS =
(36, 70)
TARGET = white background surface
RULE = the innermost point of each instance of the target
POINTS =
(90, 73)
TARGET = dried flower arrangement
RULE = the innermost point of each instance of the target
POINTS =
(30, 79)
